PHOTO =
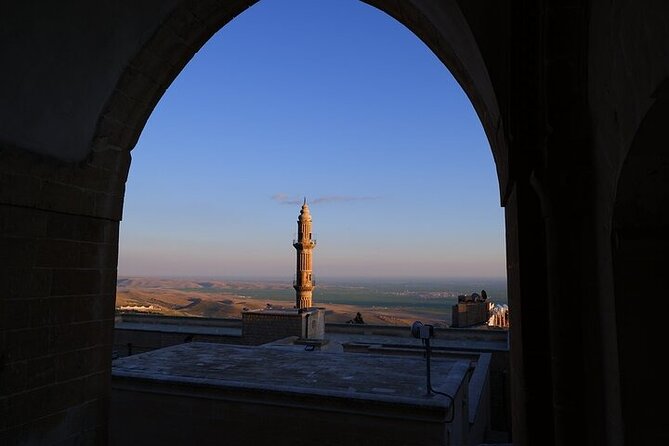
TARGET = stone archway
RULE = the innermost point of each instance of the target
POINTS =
(81, 84)
(443, 28)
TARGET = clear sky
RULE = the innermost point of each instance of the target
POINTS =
(332, 100)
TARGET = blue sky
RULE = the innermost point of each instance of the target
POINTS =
(332, 100)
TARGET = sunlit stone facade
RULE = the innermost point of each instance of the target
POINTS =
(304, 244)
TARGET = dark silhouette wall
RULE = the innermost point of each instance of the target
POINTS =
(571, 95)
(640, 242)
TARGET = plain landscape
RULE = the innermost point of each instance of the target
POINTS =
(379, 301)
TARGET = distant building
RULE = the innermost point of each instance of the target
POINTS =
(304, 244)
(499, 316)
(469, 313)
(475, 309)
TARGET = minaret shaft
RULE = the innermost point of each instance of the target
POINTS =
(304, 244)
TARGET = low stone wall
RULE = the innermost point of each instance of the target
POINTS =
(137, 333)
(131, 342)
(148, 318)
(462, 334)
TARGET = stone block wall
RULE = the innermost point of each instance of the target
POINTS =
(259, 327)
(58, 256)
(468, 314)
(315, 324)
(262, 326)
(131, 342)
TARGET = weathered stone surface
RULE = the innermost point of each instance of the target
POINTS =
(342, 397)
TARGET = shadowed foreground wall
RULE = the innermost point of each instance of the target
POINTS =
(640, 241)
(58, 245)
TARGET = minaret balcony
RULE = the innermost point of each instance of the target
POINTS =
(305, 244)
(310, 285)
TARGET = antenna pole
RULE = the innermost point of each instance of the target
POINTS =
(427, 362)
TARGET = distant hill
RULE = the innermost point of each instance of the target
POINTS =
(228, 298)
(153, 282)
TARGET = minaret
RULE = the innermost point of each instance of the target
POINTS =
(304, 244)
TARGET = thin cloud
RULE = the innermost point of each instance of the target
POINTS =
(285, 199)
(340, 199)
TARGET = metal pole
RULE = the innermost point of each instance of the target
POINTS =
(427, 356)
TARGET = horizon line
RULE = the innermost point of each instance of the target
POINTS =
(322, 278)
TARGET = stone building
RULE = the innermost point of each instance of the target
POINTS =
(305, 322)
(573, 98)
(467, 314)
(304, 244)
(499, 316)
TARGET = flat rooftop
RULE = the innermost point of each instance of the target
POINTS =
(205, 394)
(440, 341)
(382, 379)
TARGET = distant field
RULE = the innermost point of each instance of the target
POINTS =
(380, 302)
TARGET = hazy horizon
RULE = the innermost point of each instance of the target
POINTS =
(393, 278)
(465, 285)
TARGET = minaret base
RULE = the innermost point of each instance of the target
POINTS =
(269, 325)
(304, 302)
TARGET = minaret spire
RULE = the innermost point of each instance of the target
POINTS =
(304, 244)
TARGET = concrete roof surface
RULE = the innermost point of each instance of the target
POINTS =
(346, 375)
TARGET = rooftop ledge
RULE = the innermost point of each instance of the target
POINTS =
(351, 376)
(209, 394)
